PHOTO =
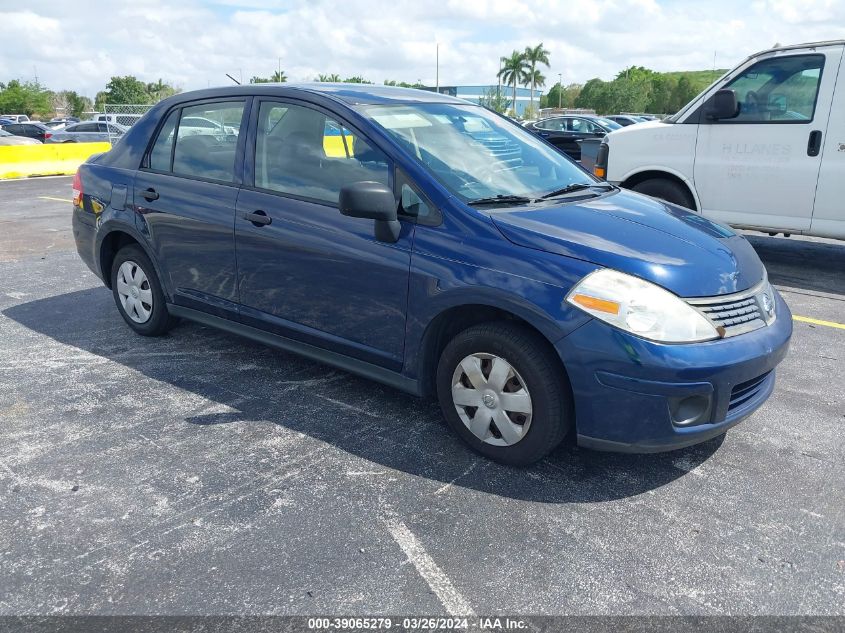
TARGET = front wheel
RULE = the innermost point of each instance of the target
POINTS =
(503, 391)
(667, 190)
(138, 294)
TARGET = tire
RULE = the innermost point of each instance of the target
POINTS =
(667, 190)
(149, 317)
(533, 367)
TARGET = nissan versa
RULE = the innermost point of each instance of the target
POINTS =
(435, 246)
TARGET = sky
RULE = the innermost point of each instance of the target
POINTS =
(193, 43)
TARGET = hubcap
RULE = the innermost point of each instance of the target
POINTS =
(491, 399)
(133, 289)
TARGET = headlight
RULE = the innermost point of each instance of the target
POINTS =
(766, 299)
(640, 307)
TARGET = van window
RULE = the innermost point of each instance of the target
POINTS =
(305, 153)
(208, 150)
(778, 90)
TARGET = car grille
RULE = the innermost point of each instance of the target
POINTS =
(732, 314)
(745, 391)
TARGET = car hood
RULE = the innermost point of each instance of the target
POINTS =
(667, 245)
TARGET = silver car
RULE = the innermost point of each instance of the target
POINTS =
(10, 139)
(89, 132)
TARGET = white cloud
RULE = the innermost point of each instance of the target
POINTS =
(193, 44)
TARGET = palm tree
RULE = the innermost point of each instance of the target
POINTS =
(514, 70)
(278, 77)
(155, 89)
(333, 78)
(533, 57)
(535, 79)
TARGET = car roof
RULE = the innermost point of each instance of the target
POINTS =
(350, 94)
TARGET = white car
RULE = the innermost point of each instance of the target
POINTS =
(762, 148)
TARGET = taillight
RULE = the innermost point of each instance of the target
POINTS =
(77, 190)
(47, 135)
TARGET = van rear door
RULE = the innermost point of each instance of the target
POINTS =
(760, 169)
(829, 212)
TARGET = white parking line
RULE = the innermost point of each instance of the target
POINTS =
(439, 582)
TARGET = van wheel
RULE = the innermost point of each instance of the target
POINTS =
(503, 391)
(667, 190)
(138, 294)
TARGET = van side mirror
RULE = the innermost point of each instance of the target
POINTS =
(374, 201)
(722, 105)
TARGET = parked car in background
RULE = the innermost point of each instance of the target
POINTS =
(625, 119)
(89, 132)
(32, 129)
(530, 298)
(59, 122)
(15, 118)
(762, 148)
(564, 132)
(10, 139)
(127, 120)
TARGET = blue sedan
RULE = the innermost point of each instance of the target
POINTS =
(435, 246)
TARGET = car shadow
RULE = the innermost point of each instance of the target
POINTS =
(361, 417)
(800, 263)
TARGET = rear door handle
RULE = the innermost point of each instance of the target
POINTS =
(150, 194)
(258, 218)
(814, 144)
(544, 134)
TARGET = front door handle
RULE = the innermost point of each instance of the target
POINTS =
(814, 144)
(544, 134)
(150, 194)
(258, 218)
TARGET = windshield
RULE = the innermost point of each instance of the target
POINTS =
(475, 153)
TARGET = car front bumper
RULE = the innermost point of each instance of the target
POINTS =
(629, 393)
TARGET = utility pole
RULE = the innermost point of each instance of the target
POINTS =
(714, 60)
(437, 68)
(559, 90)
(279, 77)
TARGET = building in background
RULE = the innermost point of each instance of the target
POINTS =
(476, 93)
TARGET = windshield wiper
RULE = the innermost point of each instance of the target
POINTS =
(577, 186)
(501, 199)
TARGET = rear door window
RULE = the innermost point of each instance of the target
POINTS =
(162, 150)
(208, 150)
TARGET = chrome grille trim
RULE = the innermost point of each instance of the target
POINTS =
(733, 314)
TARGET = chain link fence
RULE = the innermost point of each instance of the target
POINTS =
(125, 114)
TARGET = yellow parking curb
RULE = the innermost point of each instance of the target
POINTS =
(19, 161)
(56, 199)
(833, 324)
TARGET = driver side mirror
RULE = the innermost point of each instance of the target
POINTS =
(722, 105)
(374, 201)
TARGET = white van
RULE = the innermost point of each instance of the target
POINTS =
(762, 148)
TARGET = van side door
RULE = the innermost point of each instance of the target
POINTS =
(829, 211)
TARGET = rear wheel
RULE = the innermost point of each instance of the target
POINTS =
(502, 390)
(138, 294)
(667, 190)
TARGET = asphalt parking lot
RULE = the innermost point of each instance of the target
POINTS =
(203, 473)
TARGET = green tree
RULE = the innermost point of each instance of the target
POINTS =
(558, 96)
(495, 100)
(25, 98)
(357, 79)
(514, 71)
(537, 80)
(534, 56)
(159, 90)
(333, 78)
(125, 90)
(682, 93)
(278, 77)
(404, 84)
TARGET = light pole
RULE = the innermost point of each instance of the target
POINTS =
(559, 90)
(437, 68)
